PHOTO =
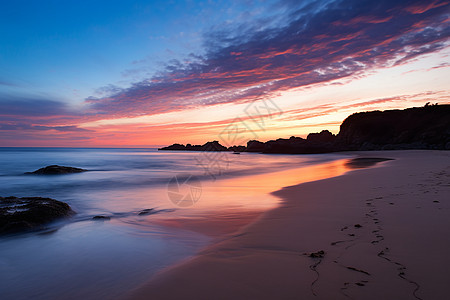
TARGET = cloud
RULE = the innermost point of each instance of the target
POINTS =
(34, 113)
(317, 41)
(25, 126)
(31, 106)
(107, 90)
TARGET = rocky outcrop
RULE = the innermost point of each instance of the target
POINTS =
(425, 127)
(209, 146)
(237, 148)
(56, 170)
(255, 146)
(30, 213)
(322, 142)
(414, 128)
(323, 137)
(101, 218)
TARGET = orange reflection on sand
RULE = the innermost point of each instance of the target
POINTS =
(227, 205)
(253, 192)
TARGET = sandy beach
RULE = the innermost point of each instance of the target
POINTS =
(373, 233)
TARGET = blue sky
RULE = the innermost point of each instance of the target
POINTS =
(69, 49)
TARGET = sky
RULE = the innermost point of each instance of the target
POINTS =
(152, 73)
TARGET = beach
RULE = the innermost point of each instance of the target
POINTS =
(372, 233)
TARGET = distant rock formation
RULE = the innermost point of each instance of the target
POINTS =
(425, 127)
(56, 170)
(30, 213)
(209, 146)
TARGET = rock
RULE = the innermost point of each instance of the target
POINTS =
(101, 218)
(318, 254)
(174, 147)
(255, 146)
(209, 146)
(323, 137)
(56, 170)
(30, 213)
(290, 145)
(237, 148)
(214, 146)
(146, 211)
(413, 128)
(358, 226)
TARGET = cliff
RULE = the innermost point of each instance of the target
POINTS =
(413, 128)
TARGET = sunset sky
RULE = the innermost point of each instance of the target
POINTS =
(150, 73)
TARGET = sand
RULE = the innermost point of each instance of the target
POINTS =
(384, 232)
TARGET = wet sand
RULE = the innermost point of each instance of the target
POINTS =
(383, 232)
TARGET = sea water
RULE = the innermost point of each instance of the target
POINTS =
(83, 258)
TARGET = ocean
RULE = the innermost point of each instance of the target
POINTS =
(83, 258)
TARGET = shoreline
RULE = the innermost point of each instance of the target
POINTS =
(379, 258)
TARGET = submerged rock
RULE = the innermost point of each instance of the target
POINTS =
(146, 211)
(56, 170)
(101, 218)
(30, 213)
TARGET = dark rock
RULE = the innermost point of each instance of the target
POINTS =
(209, 146)
(315, 143)
(413, 128)
(318, 254)
(174, 147)
(358, 226)
(323, 137)
(290, 145)
(30, 213)
(214, 146)
(237, 148)
(146, 211)
(101, 218)
(255, 146)
(57, 170)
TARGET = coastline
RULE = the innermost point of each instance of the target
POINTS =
(399, 252)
